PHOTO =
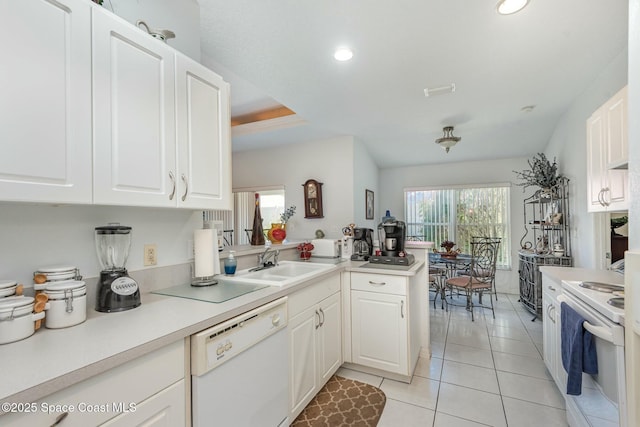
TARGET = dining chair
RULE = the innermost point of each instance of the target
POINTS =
(480, 277)
(437, 277)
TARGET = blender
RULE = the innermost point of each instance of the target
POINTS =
(116, 290)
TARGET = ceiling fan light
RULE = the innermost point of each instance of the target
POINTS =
(448, 140)
(507, 7)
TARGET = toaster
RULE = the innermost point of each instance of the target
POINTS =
(326, 248)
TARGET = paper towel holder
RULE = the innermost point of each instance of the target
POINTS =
(206, 263)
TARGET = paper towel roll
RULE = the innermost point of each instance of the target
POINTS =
(206, 258)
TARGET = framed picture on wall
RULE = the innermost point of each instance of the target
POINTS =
(368, 204)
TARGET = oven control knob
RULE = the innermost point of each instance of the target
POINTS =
(228, 346)
(220, 350)
(275, 319)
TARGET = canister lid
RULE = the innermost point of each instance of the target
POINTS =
(57, 269)
(10, 303)
(7, 283)
(64, 285)
(113, 228)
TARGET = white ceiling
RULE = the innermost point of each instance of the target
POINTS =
(280, 52)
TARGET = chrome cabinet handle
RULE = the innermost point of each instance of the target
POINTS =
(322, 321)
(600, 197)
(186, 187)
(318, 324)
(551, 288)
(59, 419)
(402, 309)
(173, 181)
(377, 283)
(604, 201)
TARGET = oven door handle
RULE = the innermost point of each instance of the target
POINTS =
(600, 331)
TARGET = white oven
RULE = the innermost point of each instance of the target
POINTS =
(603, 398)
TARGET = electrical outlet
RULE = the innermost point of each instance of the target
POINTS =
(150, 255)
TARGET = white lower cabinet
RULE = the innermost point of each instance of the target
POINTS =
(160, 410)
(385, 322)
(315, 340)
(147, 391)
(379, 328)
(551, 340)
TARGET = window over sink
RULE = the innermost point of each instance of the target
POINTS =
(235, 222)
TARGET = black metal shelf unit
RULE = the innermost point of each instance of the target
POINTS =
(546, 241)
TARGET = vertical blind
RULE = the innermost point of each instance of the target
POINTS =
(458, 214)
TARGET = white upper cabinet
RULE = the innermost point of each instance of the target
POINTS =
(45, 106)
(202, 125)
(161, 125)
(95, 110)
(134, 109)
(607, 154)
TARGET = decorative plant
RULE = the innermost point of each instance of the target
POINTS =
(447, 245)
(542, 173)
(287, 214)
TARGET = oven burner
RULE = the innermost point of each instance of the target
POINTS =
(617, 302)
(601, 287)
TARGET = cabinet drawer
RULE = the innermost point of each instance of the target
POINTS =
(382, 283)
(313, 294)
(98, 399)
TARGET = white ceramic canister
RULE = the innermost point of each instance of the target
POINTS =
(67, 303)
(7, 288)
(17, 318)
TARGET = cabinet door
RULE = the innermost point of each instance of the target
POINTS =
(549, 334)
(379, 331)
(134, 117)
(303, 353)
(329, 337)
(164, 409)
(615, 151)
(616, 111)
(596, 179)
(45, 137)
(204, 145)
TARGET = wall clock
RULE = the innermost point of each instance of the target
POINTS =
(313, 199)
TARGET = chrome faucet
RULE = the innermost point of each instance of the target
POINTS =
(263, 259)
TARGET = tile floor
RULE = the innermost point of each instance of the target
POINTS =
(484, 373)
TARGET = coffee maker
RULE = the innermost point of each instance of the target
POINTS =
(392, 235)
(116, 290)
(362, 244)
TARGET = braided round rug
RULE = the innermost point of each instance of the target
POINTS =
(343, 402)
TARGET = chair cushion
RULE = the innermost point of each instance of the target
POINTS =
(466, 281)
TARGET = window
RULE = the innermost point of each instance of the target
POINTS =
(459, 213)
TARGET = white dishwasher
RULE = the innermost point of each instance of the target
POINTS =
(239, 370)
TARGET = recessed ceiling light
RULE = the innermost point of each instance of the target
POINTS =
(507, 7)
(343, 54)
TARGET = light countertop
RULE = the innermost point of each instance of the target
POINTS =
(53, 359)
(559, 274)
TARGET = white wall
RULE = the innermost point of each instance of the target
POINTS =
(568, 145)
(365, 177)
(180, 16)
(36, 236)
(330, 162)
(393, 182)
